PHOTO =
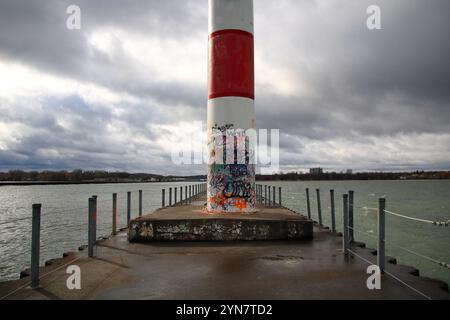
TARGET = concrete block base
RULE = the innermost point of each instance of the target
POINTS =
(192, 223)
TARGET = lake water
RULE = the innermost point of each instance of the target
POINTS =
(64, 216)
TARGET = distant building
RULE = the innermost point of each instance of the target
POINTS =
(349, 171)
(316, 171)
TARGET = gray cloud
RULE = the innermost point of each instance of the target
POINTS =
(359, 84)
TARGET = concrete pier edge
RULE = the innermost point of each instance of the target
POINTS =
(437, 289)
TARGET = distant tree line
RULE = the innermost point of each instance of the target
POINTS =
(76, 176)
(292, 176)
(98, 175)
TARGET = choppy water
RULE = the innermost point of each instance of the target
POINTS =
(426, 199)
(64, 216)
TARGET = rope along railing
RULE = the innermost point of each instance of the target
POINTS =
(28, 283)
(436, 223)
(349, 229)
(433, 222)
(391, 275)
(382, 227)
(440, 263)
(363, 232)
(349, 206)
(381, 241)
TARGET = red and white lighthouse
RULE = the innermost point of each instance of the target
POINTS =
(231, 108)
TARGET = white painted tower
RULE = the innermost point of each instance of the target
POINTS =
(231, 109)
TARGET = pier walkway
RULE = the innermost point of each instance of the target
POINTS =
(307, 269)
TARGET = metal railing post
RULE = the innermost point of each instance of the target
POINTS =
(95, 217)
(181, 195)
(35, 244)
(308, 204)
(128, 208)
(345, 225)
(140, 203)
(279, 196)
(175, 195)
(265, 195)
(319, 207)
(333, 218)
(274, 202)
(261, 194)
(381, 234)
(350, 216)
(114, 213)
(163, 202)
(91, 227)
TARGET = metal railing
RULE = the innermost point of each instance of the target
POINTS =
(195, 191)
(266, 195)
(349, 229)
(380, 238)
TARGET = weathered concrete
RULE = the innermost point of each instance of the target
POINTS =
(193, 223)
(315, 269)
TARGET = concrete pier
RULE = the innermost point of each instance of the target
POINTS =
(193, 223)
(311, 269)
(166, 267)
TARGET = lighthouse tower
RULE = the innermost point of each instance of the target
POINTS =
(231, 109)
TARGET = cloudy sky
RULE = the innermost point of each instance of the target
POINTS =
(119, 93)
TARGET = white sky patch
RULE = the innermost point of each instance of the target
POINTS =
(182, 136)
(278, 79)
(10, 133)
(375, 153)
(105, 41)
(160, 59)
(17, 80)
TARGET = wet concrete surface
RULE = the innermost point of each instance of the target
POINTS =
(196, 210)
(309, 269)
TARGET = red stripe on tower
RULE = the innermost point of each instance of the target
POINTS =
(231, 64)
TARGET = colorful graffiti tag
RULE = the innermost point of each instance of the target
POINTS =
(228, 192)
(230, 184)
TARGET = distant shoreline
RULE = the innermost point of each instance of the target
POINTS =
(37, 183)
